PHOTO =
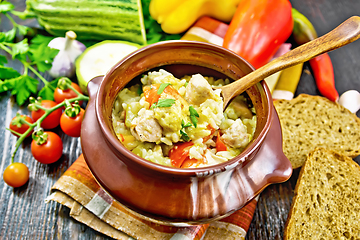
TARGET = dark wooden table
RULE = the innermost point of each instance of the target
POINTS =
(25, 215)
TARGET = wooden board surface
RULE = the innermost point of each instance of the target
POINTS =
(25, 215)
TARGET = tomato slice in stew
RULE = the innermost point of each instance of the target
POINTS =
(179, 153)
(220, 145)
(150, 94)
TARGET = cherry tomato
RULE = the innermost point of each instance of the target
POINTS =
(50, 151)
(16, 174)
(72, 125)
(19, 127)
(60, 95)
(50, 121)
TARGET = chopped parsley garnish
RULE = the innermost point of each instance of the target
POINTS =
(162, 87)
(193, 115)
(184, 135)
(163, 103)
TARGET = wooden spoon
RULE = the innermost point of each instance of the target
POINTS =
(345, 33)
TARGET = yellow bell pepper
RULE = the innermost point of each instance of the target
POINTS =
(288, 82)
(176, 16)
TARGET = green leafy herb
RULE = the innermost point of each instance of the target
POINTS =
(163, 103)
(193, 115)
(6, 7)
(184, 135)
(47, 92)
(41, 54)
(36, 57)
(187, 125)
(162, 87)
(3, 60)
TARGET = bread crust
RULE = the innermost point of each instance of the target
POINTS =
(314, 121)
(317, 168)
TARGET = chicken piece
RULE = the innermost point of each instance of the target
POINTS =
(198, 90)
(241, 109)
(236, 135)
(170, 118)
(146, 128)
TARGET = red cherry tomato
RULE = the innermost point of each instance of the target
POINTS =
(19, 127)
(60, 95)
(72, 125)
(50, 151)
(16, 174)
(50, 121)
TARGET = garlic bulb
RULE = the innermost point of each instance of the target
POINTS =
(350, 100)
(69, 49)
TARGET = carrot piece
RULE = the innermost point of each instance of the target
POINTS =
(220, 145)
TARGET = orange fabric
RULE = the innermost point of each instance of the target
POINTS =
(242, 217)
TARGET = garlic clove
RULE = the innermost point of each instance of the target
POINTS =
(350, 100)
(69, 49)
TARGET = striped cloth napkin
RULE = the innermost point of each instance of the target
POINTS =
(91, 205)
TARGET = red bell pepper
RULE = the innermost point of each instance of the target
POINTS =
(258, 28)
(321, 66)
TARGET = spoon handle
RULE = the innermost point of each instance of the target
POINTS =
(345, 33)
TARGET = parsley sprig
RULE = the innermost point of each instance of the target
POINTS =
(184, 135)
(193, 117)
(162, 87)
(168, 102)
(35, 57)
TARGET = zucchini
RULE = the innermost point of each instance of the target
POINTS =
(99, 58)
(91, 19)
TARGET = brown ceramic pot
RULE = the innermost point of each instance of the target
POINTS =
(171, 195)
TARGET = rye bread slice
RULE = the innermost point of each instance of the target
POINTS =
(326, 203)
(313, 121)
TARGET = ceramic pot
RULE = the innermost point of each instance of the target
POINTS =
(171, 195)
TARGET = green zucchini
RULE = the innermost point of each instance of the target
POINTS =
(91, 19)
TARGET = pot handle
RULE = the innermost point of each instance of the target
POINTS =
(93, 86)
(270, 165)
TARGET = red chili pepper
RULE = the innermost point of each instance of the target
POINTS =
(258, 28)
(322, 67)
(324, 75)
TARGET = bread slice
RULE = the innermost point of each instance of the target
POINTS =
(313, 121)
(326, 204)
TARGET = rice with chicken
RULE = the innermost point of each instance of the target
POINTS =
(180, 122)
